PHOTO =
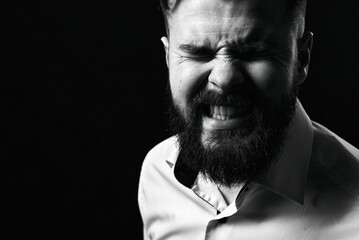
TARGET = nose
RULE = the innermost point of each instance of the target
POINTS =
(225, 75)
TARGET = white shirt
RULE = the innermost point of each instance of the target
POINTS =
(310, 193)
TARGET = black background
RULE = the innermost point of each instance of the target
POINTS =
(81, 89)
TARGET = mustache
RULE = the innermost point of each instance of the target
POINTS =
(212, 97)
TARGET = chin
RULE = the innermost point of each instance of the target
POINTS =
(225, 139)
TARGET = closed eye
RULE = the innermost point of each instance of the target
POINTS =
(253, 50)
(198, 53)
(254, 54)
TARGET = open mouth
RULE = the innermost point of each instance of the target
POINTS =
(225, 112)
(227, 116)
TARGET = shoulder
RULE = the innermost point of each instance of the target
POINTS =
(159, 161)
(161, 153)
(336, 160)
(156, 178)
(324, 138)
(332, 190)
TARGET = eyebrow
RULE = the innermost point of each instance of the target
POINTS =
(252, 46)
(195, 49)
(241, 46)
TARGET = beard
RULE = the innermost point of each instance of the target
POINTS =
(230, 157)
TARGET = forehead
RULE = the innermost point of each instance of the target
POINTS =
(259, 8)
(226, 18)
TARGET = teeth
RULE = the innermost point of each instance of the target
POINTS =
(223, 110)
(220, 117)
(211, 108)
(226, 112)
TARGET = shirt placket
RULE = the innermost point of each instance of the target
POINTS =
(209, 192)
(223, 216)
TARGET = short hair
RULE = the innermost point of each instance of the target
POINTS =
(296, 10)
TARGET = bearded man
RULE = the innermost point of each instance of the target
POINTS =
(245, 161)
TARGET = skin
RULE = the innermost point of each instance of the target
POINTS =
(206, 49)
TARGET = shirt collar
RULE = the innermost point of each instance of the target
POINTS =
(173, 155)
(288, 175)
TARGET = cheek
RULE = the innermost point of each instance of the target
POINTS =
(185, 80)
(271, 79)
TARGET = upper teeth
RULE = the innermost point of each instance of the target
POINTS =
(226, 112)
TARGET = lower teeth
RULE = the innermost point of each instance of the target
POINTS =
(228, 117)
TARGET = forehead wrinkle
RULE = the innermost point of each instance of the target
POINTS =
(199, 10)
(219, 39)
(226, 10)
(201, 24)
(216, 28)
(222, 9)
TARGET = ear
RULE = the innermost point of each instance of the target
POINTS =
(166, 47)
(304, 50)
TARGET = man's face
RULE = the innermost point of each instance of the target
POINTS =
(233, 72)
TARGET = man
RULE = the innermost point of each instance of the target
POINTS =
(245, 161)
